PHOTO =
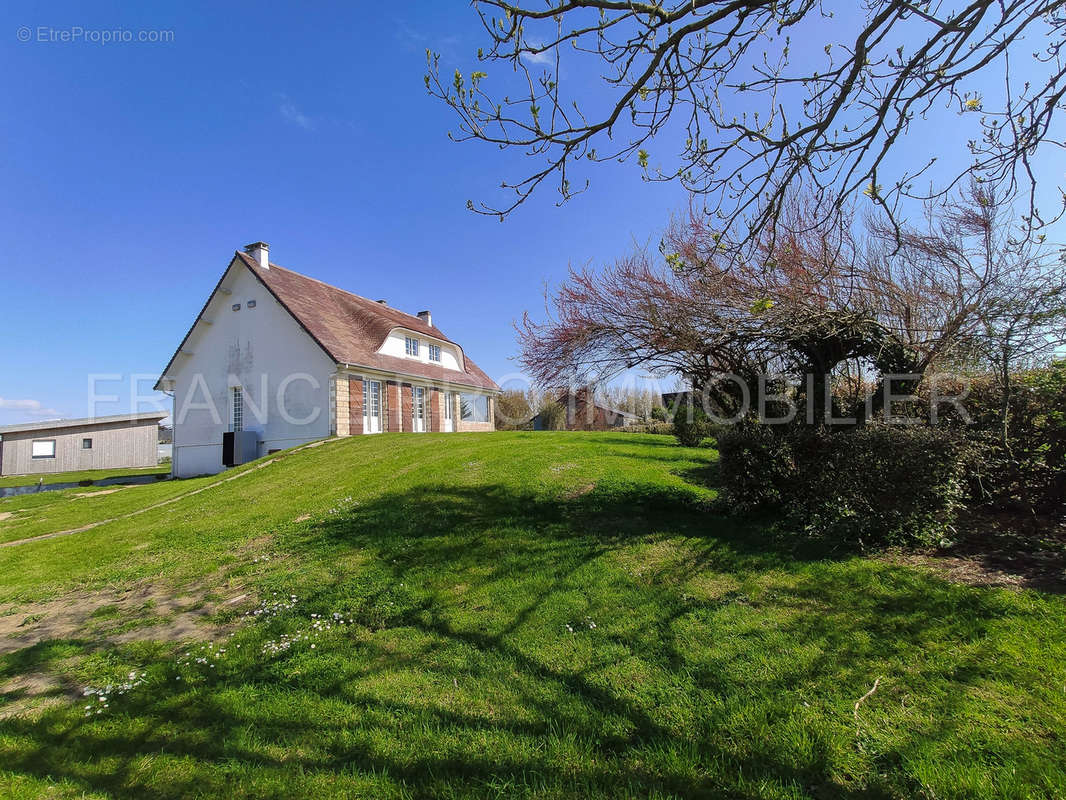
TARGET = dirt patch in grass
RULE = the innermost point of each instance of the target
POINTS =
(97, 494)
(6, 515)
(1046, 572)
(999, 551)
(579, 491)
(146, 611)
(32, 692)
(31, 683)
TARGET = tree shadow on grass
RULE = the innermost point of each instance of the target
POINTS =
(619, 642)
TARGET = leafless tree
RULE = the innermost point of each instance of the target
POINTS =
(813, 304)
(748, 122)
(974, 286)
(640, 312)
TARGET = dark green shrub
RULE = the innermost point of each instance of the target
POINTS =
(869, 486)
(658, 414)
(758, 464)
(691, 426)
(1022, 463)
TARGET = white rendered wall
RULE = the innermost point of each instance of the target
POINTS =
(246, 348)
(395, 345)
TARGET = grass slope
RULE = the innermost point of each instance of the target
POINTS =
(77, 477)
(522, 615)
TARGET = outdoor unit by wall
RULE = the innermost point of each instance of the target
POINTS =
(239, 447)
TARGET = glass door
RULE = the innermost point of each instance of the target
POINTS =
(449, 411)
(419, 409)
(371, 406)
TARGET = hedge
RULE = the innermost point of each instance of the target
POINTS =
(870, 486)
(1023, 464)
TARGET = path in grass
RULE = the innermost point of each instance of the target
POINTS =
(98, 518)
(97, 523)
(523, 615)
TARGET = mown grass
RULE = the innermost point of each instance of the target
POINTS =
(66, 509)
(78, 477)
(530, 615)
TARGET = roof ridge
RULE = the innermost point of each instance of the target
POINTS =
(339, 289)
(349, 328)
(77, 422)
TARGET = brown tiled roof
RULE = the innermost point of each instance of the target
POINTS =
(351, 328)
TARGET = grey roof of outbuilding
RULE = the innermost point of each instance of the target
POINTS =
(52, 424)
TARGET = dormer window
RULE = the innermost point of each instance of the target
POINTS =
(434, 352)
(411, 346)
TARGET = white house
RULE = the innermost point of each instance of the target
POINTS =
(276, 359)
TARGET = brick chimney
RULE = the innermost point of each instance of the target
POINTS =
(260, 252)
(426, 317)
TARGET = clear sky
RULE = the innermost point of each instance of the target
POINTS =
(130, 172)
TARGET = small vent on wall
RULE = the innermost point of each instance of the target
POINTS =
(236, 306)
(251, 304)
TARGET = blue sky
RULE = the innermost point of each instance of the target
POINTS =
(130, 172)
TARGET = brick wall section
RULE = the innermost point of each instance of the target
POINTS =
(435, 410)
(406, 408)
(392, 396)
(355, 406)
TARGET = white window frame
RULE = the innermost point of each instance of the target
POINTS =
(448, 425)
(410, 346)
(34, 450)
(434, 352)
(369, 400)
(478, 396)
(236, 408)
(418, 404)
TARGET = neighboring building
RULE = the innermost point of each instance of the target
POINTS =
(68, 445)
(276, 359)
(582, 415)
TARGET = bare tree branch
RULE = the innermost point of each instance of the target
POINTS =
(679, 69)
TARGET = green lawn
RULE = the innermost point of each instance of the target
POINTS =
(513, 615)
(78, 477)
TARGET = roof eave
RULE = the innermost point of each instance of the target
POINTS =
(416, 376)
